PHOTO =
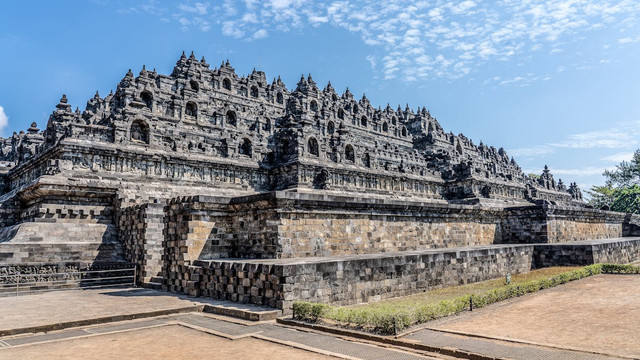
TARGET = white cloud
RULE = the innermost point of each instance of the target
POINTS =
(372, 61)
(628, 40)
(615, 138)
(316, 20)
(618, 158)
(4, 119)
(417, 40)
(262, 33)
(624, 135)
(534, 151)
(230, 28)
(197, 8)
(585, 171)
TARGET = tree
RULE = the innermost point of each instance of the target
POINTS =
(622, 189)
(626, 174)
(601, 197)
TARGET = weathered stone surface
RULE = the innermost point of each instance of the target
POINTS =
(348, 279)
(619, 251)
(176, 173)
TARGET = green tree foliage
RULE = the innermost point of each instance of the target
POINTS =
(601, 197)
(622, 189)
(626, 174)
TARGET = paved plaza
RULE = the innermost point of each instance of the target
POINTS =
(591, 319)
(599, 314)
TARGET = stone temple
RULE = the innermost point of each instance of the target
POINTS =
(242, 189)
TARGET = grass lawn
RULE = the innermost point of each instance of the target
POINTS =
(393, 315)
(452, 292)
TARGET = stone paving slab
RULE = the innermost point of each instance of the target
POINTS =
(172, 341)
(83, 307)
(501, 349)
(599, 314)
(321, 343)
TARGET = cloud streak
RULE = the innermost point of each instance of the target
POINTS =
(4, 119)
(417, 40)
(622, 136)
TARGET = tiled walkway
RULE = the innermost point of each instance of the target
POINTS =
(324, 344)
(500, 349)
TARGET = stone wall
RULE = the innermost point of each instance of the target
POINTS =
(631, 225)
(68, 242)
(195, 227)
(556, 224)
(289, 224)
(619, 251)
(141, 233)
(348, 280)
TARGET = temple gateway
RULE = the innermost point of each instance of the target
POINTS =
(241, 189)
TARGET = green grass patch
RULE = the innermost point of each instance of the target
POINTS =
(394, 315)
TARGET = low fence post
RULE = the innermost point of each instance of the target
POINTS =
(135, 276)
(395, 326)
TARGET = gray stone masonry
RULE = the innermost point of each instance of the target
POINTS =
(618, 251)
(178, 172)
(141, 232)
(347, 279)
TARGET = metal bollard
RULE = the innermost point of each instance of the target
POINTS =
(470, 303)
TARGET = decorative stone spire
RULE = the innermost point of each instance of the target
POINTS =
(182, 60)
(329, 88)
(62, 105)
(33, 129)
(310, 80)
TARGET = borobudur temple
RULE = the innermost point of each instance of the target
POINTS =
(237, 188)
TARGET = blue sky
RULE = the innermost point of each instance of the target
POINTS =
(553, 82)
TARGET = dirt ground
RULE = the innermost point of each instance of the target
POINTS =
(600, 313)
(166, 342)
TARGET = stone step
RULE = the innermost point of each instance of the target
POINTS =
(241, 311)
(152, 285)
